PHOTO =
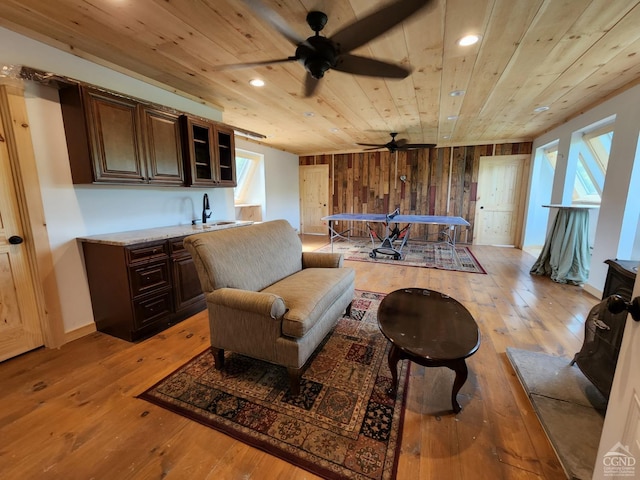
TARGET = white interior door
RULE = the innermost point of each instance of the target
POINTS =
(619, 450)
(499, 201)
(20, 329)
(314, 199)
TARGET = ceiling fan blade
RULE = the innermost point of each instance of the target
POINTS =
(367, 28)
(401, 142)
(275, 20)
(235, 66)
(358, 65)
(310, 85)
(377, 145)
(419, 145)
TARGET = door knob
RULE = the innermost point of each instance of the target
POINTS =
(15, 240)
(617, 304)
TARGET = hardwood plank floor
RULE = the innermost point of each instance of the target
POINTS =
(71, 413)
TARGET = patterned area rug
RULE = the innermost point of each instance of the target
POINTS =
(343, 425)
(414, 254)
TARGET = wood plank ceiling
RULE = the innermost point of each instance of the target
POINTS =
(567, 55)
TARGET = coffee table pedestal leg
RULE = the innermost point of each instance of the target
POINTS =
(460, 367)
(393, 359)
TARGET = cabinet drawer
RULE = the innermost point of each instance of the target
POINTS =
(176, 245)
(151, 309)
(147, 252)
(149, 277)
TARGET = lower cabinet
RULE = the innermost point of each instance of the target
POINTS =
(187, 292)
(139, 290)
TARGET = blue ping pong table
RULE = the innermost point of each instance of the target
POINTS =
(394, 238)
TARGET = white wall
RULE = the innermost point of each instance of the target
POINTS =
(281, 183)
(617, 232)
(72, 211)
(537, 216)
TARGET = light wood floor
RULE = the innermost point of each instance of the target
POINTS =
(71, 413)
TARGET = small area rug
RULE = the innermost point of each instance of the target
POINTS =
(570, 409)
(414, 254)
(343, 425)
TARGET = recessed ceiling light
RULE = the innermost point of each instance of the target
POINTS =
(256, 82)
(452, 117)
(445, 136)
(544, 108)
(334, 130)
(308, 114)
(469, 40)
(456, 93)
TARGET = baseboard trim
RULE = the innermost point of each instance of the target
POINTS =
(592, 290)
(79, 332)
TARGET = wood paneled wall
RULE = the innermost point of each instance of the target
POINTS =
(439, 181)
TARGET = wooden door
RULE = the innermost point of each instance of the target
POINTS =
(314, 199)
(619, 450)
(20, 329)
(500, 200)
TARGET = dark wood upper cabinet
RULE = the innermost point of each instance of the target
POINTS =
(209, 152)
(199, 152)
(116, 139)
(226, 156)
(163, 146)
(103, 137)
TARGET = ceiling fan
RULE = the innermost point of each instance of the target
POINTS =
(318, 53)
(397, 145)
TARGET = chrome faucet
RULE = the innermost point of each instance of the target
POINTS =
(205, 207)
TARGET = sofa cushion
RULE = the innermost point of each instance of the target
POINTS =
(248, 258)
(307, 294)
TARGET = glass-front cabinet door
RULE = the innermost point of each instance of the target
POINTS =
(226, 156)
(210, 153)
(201, 164)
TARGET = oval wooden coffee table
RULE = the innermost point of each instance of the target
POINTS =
(431, 329)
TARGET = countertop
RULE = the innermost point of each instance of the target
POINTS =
(132, 237)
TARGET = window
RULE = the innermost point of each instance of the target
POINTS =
(551, 154)
(593, 157)
(246, 169)
(590, 150)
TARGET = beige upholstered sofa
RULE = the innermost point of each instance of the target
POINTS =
(266, 298)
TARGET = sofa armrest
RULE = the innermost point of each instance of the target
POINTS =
(322, 260)
(259, 303)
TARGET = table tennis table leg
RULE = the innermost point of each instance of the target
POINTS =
(334, 234)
